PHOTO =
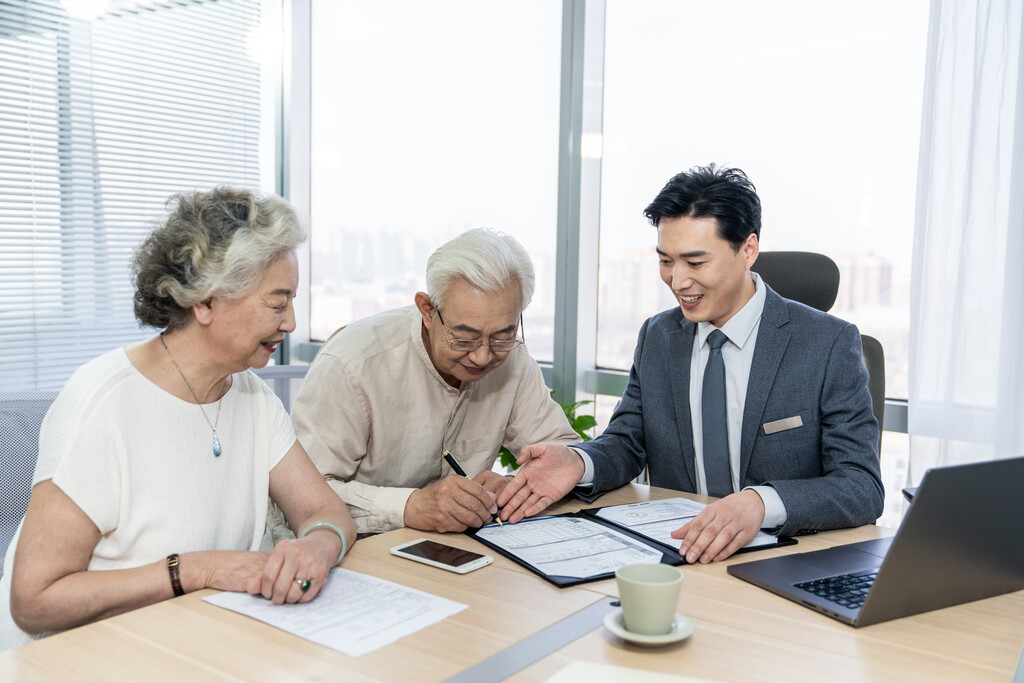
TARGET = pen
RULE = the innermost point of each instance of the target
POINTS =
(450, 459)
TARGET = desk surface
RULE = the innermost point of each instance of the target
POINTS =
(742, 631)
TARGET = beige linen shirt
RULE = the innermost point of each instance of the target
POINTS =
(375, 415)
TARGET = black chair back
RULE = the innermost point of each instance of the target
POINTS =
(812, 279)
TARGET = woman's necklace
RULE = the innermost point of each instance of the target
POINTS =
(213, 425)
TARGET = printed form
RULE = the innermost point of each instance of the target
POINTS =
(568, 546)
(657, 519)
(354, 613)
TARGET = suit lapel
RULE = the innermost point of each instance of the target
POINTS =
(681, 343)
(772, 340)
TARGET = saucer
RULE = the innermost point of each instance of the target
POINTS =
(682, 628)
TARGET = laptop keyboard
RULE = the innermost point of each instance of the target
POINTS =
(848, 590)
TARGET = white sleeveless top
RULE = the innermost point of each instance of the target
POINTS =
(139, 463)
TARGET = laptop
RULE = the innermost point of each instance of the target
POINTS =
(961, 540)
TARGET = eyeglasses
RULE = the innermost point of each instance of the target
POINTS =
(467, 345)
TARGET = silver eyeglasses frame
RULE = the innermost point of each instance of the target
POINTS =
(470, 345)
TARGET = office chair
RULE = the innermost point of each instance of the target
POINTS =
(813, 280)
(874, 361)
(21, 414)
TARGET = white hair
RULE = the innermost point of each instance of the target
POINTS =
(490, 261)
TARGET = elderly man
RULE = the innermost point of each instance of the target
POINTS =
(388, 395)
(736, 393)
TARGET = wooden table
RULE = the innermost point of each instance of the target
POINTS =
(742, 632)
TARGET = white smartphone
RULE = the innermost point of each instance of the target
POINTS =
(443, 556)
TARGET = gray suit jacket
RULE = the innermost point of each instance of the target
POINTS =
(805, 363)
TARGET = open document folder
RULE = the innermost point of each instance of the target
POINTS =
(657, 519)
(591, 544)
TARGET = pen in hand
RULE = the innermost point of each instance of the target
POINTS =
(450, 459)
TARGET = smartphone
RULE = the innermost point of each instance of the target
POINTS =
(440, 555)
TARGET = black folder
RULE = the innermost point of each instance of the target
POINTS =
(669, 554)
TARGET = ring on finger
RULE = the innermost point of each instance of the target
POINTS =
(304, 584)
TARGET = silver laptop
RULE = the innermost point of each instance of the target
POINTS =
(961, 540)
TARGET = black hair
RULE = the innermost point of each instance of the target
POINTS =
(724, 193)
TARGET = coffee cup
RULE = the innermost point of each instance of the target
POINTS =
(649, 594)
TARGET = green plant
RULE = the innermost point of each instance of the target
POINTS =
(579, 423)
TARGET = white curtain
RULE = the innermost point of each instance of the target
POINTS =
(967, 295)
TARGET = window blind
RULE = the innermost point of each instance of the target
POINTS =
(101, 121)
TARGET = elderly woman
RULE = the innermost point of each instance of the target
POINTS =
(156, 459)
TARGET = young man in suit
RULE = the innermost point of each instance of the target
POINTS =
(785, 435)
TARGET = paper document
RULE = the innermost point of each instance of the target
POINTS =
(354, 613)
(657, 519)
(568, 546)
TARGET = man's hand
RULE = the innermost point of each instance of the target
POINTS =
(722, 528)
(492, 481)
(547, 473)
(453, 504)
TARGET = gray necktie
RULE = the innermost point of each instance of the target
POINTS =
(713, 415)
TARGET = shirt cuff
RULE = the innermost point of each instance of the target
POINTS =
(775, 514)
(389, 507)
(587, 480)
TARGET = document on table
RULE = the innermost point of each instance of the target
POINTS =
(568, 546)
(657, 519)
(354, 613)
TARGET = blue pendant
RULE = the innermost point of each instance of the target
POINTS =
(216, 445)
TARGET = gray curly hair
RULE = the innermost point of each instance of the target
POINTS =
(212, 243)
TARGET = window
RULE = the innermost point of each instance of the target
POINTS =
(822, 110)
(429, 119)
(108, 109)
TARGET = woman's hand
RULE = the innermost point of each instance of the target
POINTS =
(226, 570)
(305, 499)
(277, 576)
(294, 562)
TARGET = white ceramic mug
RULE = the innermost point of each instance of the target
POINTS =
(649, 594)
